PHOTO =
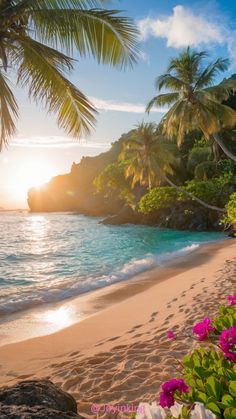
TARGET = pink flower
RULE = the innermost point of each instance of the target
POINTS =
(166, 399)
(232, 299)
(168, 390)
(228, 343)
(170, 335)
(202, 328)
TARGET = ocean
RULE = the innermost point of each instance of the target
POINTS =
(47, 258)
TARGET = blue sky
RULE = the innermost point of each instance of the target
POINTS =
(166, 27)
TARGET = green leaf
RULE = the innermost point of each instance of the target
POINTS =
(201, 372)
(230, 413)
(228, 400)
(185, 412)
(214, 408)
(201, 397)
(232, 388)
(187, 361)
(213, 387)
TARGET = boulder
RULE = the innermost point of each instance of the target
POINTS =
(126, 216)
(36, 399)
(36, 412)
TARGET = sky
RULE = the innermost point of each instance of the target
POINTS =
(40, 150)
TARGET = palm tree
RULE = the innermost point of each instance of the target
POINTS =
(196, 104)
(150, 158)
(37, 40)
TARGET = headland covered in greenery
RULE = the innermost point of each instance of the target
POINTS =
(179, 173)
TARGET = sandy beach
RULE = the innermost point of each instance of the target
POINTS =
(120, 353)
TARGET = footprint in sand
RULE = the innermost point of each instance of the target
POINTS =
(170, 316)
(153, 316)
(111, 339)
(137, 335)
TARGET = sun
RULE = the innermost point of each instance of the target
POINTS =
(32, 173)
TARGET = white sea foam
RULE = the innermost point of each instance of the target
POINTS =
(37, 295)
(51, 257)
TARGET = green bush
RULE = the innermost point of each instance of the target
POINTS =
(210, 375)
(198, 155)
(212, 381)
(215, 191)
(231, 211)
(157, 198)
(206, 170)
(111, 183)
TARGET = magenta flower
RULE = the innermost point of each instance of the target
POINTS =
(166, 399)
(202, 328)
(168, 390)
(228, 343)
(170, 334)
(232, 299)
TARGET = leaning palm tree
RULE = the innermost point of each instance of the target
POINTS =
(151, 158)
(37, 40)
(196, 103)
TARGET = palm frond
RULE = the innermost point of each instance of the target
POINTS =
(207, 76)
(8, 112)
(108, 37)
(169, 81)
(186, 66)
(41, 70)
(162, 100)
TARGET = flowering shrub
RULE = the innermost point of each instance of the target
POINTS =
(203, 328)
(232, 299)
(169, 389)
(210, 372)
(228, 343)
(206, 387)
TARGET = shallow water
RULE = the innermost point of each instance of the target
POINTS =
(50, 257)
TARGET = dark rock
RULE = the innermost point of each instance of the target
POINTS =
(182, 216)
(232, 234)
(126, 216)
(37, 412)
(36, 399)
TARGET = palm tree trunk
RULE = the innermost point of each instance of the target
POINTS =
(223, 147)
(204, 204)
(216, 151)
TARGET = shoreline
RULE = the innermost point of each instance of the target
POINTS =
(121, 354)
(48, 318)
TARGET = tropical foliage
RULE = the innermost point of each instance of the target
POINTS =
(37, 38)
(214, 191)
(158, 198)
(230, 218)
(195, 102)
(113, 184)
(208, 373)
(148, 156)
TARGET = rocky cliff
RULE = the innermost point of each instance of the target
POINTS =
(75, 191)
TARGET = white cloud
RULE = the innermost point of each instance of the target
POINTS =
(231, 44)
(57, 142)
(144, 57)
(182, 28)
(110, 105)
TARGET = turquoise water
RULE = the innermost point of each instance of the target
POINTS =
(50, 257)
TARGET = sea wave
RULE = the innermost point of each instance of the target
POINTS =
(19, 299)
